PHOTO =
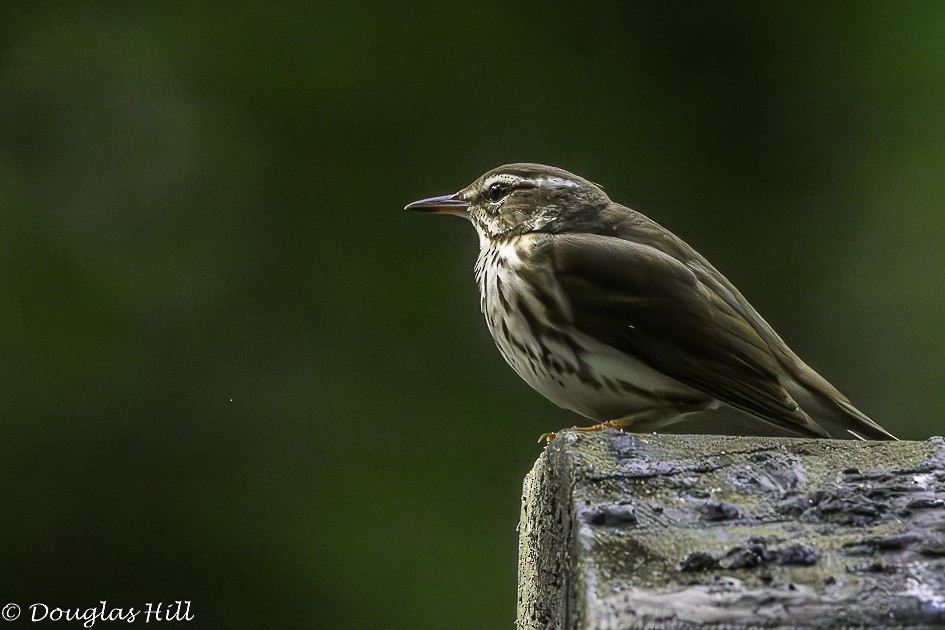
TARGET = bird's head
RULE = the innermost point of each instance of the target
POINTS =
(518, 198)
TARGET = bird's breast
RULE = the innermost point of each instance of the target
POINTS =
(514, 309)
(530, 318)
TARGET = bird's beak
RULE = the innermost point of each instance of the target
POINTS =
(447, 204)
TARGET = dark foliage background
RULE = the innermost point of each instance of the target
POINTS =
(234, 371)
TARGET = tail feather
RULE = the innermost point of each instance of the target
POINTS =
(865, 429)
(831, 409)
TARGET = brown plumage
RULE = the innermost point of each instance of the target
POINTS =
(607, 313)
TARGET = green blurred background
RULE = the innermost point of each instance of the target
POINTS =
(234, 371)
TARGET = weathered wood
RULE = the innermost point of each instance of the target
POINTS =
(676, 531)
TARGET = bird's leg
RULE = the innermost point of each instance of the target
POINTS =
(619, 423)
(647, 415)
(676, 410)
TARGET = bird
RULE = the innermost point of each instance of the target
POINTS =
(612, 316)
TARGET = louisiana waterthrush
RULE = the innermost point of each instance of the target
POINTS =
(607, 313)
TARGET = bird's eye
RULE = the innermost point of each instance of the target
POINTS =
(497, 190)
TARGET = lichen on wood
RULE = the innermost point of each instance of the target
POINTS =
(623, 530)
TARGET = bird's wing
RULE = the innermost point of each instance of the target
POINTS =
(643, 301)
(816, 396)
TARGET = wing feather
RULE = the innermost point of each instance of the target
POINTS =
(642, 300)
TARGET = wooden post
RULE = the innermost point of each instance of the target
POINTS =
(623, 530)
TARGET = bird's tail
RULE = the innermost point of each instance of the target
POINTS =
(864, 429)
(833, 411)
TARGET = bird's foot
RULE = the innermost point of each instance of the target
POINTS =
(621, 423)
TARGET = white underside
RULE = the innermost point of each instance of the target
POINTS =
(630, 387)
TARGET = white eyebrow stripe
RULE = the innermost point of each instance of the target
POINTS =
(501, 177)
(558, 182)
(538, 182)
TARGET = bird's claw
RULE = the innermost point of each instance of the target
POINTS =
(603, 426)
